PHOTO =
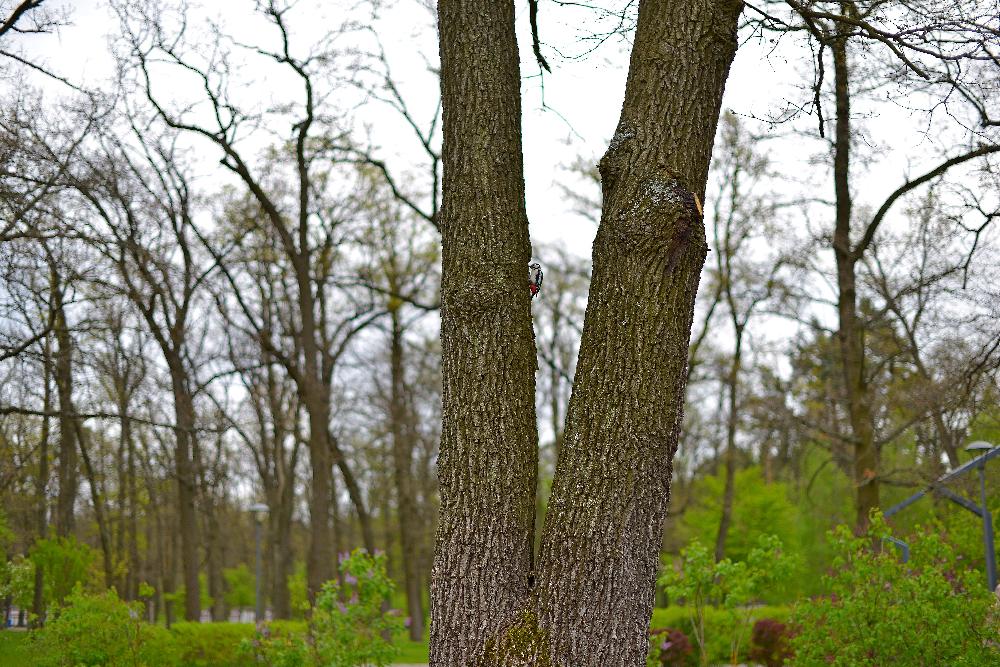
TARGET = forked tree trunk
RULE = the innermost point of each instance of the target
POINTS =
(600, 551)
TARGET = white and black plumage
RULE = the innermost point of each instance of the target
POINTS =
(535, 278)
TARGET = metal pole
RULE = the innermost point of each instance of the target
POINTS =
(991, 564)
(259, 603)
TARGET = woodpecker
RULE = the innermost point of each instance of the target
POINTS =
(534, 278)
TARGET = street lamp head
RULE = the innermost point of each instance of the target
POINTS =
(978, 446)
(259, 510)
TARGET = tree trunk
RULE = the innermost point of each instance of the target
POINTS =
(319, 562)
(100, 510)
(488, 460)
(186, 487)
(281, 550)
(729, 491)
(407, 512)
(134, 569)
(851, 332)
(68, 472)
(600, 550)
(214, 561)
(38, 594)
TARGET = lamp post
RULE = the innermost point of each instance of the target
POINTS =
(258, 510)
(979, 447)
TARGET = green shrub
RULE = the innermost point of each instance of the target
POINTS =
(66, 564)
(933, 610)
(729, 586)
(349, 622)
(240, 587)
(349, 626)
(272, 647)
(211, 644)
(222, 644)
(91, 630)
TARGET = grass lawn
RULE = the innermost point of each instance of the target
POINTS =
(14, 649)
(411, 652)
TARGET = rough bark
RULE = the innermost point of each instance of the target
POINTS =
(600, 550)
(487, 466)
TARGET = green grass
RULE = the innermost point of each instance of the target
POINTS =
(411, 652)
(14, 650)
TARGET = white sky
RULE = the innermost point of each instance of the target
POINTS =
(582, 99)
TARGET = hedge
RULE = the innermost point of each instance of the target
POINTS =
(218, 644)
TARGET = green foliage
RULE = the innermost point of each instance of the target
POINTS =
(211, 644)
(179, 596)
(91, 630)
(65, 563)
(17, 580)
(15, 649)
(349, 619)
(759, 509)
(274, 648)
(729, 585)
(933, 610)
(6, 534)
(240, 592)
(348, 626)
(298, 591)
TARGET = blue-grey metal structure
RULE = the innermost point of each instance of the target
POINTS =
(938, 487)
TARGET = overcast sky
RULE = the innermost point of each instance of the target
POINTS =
(582, 97)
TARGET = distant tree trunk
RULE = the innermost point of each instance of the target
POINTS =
(41, 496)
(281, 550)
(729, 491)
(68, 472)
(850, 334)
(407, 511)
(187, 491)
(593, 593)
(98, 503)
(134, 564)
(319, 562)
(214, 562)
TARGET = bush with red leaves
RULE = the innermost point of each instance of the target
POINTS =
(770, 642)
(670, 647)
